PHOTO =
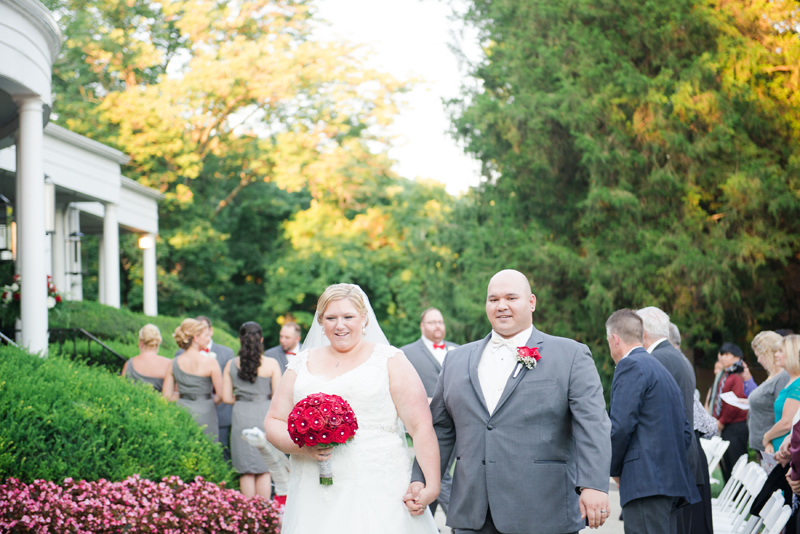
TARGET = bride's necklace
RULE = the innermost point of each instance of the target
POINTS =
(330, 352)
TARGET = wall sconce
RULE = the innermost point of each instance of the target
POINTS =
(146, 242)
(6, 253)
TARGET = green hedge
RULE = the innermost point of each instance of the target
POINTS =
(122, 326)
(60, 418)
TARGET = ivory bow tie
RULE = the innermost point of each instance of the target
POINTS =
(498, 342)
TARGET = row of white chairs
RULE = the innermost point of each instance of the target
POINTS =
(731, 510)
(714, 448)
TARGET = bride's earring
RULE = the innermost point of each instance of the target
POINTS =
(364, 330)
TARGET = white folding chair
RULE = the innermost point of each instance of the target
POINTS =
(754, 522)
(710, 445)
(777, 520)
(732, 486)
(732, 520)
(716, 457)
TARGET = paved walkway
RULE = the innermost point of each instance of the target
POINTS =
(612, 525)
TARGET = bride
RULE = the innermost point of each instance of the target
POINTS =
(352, 358)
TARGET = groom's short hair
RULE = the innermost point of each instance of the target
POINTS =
(627, 325)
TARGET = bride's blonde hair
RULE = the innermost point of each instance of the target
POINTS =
(341, 292)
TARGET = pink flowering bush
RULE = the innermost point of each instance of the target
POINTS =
(132, 506)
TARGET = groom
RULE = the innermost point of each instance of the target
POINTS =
(532, 446)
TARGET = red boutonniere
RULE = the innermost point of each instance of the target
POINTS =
(528, 357)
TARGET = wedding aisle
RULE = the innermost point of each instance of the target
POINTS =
(612, 526)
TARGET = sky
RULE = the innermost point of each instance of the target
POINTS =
(409, 39)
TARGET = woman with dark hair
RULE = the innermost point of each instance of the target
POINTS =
(248, 382)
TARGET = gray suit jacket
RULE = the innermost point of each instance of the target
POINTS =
(224, 355)
(681, 370)
(277, 353)
(427, 366)
(548, 436)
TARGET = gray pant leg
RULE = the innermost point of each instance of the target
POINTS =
(225, 440)
(648, 515)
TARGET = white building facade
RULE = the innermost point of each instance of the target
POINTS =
(60, 179)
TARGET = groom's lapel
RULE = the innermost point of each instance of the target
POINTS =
(474, 360)
(535, 340)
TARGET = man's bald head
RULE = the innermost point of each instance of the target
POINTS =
(510, 303)
(510, 277)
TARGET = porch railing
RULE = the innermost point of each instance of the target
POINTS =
(97, 352)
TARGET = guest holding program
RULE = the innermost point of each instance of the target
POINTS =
(761, 416)
(788, 400)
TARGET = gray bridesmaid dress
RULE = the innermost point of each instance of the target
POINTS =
(196, 395)
(250, 409)
(134, 376)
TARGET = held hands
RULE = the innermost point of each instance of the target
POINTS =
(594, 507)
(419, 497)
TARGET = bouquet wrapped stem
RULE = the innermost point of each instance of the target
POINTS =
(326, 469)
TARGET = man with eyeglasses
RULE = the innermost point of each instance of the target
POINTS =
(427, 355)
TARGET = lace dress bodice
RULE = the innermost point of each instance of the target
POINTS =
(366, 388)
(371, 473)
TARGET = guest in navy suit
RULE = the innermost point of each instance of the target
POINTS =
(649, 433)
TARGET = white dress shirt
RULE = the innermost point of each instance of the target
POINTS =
(496, 365)
(652, 347)
(439, 354)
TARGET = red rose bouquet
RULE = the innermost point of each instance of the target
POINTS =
(324, 420)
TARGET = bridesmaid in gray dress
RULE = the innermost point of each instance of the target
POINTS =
(248, 383)
(192, 378)
(148, 366)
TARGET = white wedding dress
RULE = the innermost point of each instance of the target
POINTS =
(371, 473)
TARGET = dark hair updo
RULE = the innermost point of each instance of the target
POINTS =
(250, 351)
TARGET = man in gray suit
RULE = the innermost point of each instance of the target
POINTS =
(532, 446)
(223, 355)
(289, 345)
(656, 341)
(427, 355)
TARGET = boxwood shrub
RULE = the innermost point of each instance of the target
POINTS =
(60, 418)
(122, 325)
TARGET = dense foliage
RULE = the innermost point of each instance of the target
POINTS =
(634, 153)
(637, 153)
(63, 419)
(133, 505)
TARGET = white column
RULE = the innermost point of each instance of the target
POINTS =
(111, 255)
(72, 221)
(60, 254)
(32, 265)
(149, 280)
(101, 271)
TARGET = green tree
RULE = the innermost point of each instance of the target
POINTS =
(636, 153)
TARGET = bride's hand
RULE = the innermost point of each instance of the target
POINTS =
(419, 497)
(317, 453)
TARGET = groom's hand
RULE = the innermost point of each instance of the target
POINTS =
(594, 507)
(412, 498)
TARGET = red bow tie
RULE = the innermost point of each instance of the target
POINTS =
(442, 346)
(290, 353)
